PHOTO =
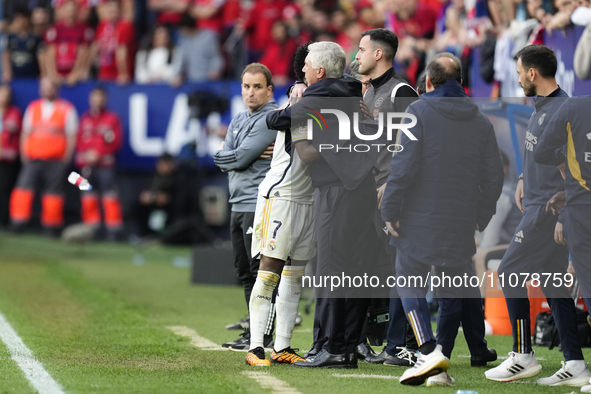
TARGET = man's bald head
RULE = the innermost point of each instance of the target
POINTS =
(443, 68)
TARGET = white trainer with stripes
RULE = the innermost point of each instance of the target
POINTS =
(426, 366)
(517, 366)
(572, 373)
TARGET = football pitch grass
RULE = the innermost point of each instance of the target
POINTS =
(98, 322)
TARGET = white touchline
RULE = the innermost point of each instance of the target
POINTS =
(266, 381)
(196, 339)
(364, 376)
(500, 357)
(23, 356)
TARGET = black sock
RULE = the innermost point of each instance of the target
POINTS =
(427, 347)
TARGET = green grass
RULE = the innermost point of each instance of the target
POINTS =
(97, 322)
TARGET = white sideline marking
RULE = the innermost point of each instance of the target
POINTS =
(23, 356)
(364, 376)
(270, 382)
(302, 330)
(196, 339)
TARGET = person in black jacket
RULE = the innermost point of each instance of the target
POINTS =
(443, 185)
(388, 92)
(532, 249)
(346, 199)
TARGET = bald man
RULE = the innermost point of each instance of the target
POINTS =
(442, 186)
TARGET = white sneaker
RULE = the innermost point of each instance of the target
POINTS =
(517, 366)
(428, 365)
(441, 380)
(572, 373)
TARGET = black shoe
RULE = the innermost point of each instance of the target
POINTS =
(486, 357)
(325, 359)
(364, 350)
(378, 358)
(313, 351)
(16, 228)
(243, 324)
(404, 358)
(242, 344)
(52, 232)
(352, 360)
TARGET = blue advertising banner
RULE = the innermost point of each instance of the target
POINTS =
(156, 118)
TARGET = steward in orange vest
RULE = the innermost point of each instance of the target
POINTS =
(47, 143)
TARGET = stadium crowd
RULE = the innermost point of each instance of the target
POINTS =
(162, 41)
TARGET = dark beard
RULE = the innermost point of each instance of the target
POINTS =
(530, 91)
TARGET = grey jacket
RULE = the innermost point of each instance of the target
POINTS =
(248, 137)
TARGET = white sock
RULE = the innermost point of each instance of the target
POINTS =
(260, 306)
(576, 365)
(287, 301)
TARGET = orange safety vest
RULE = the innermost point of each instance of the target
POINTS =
(47, 138)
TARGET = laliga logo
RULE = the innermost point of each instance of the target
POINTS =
(345, 129)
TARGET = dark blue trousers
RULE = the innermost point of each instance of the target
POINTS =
(455, 306)
(533, 250)
(577, 231)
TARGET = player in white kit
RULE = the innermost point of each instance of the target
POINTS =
(285, 240)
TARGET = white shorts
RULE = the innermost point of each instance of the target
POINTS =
(283, 229)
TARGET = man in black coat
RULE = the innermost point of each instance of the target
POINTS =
(443, 185)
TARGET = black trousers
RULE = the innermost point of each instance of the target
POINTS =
(241, 230)
(344, 220)
(8, 176)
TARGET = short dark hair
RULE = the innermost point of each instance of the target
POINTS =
(385, 40)
(440, 74)
(539, 57)
(22, 12)
(166, 157)
(100, 88)
(422, 85)
(299, 60)
(258, 68)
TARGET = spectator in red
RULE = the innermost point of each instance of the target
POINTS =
(349, 38)
(367, 15)
(257, 25)
(153, 64)
(169, 11)
(414, 23)
(114, 44)
(278, 56)
(208, 14)
(9, 149)
(67, 45)
(22, 50)
(99, 140)
(413, 18)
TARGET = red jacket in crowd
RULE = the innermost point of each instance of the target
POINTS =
(67, 40)
(10, 134)
(101, 132)
(109, 37)
(261, 18)
(278, 58)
